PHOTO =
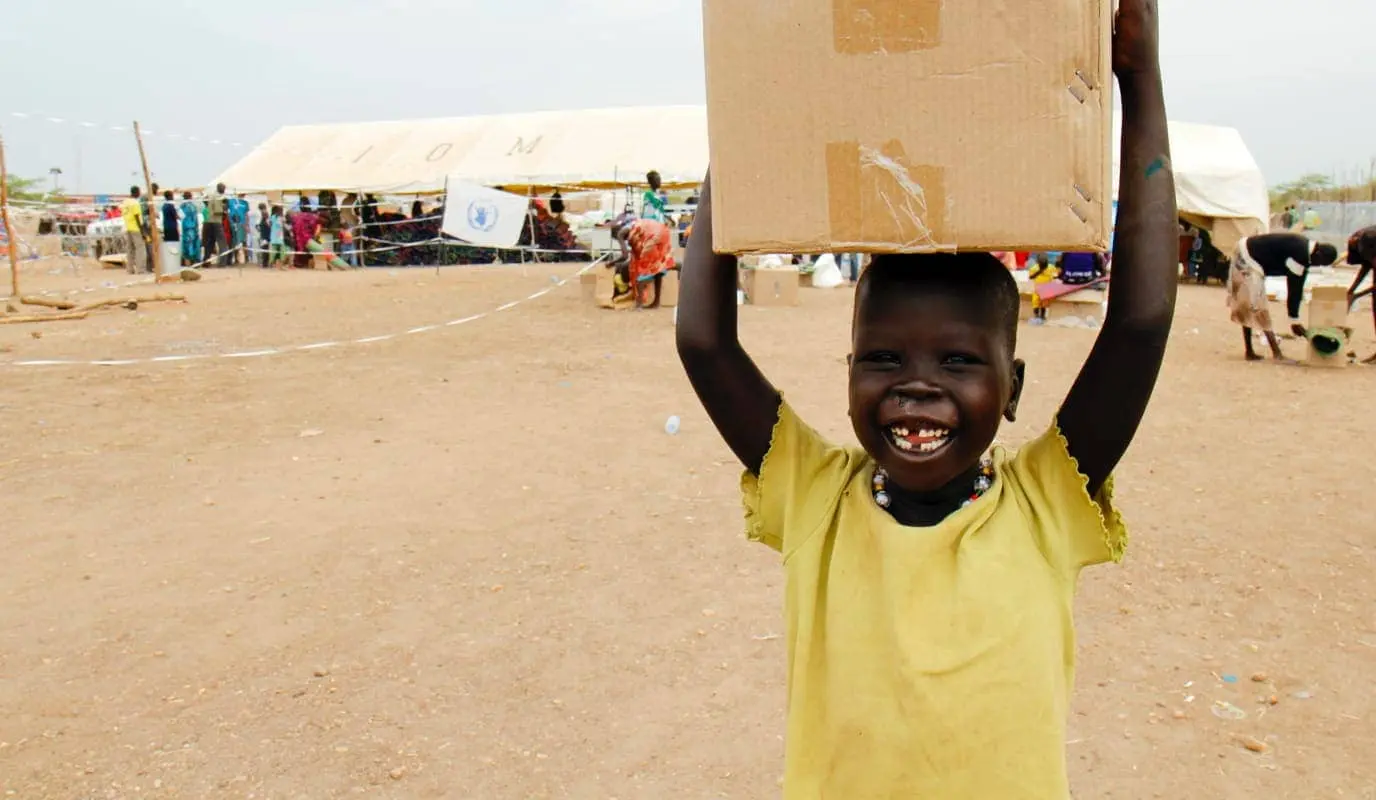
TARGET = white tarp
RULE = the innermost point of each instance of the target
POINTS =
(825, 273)
(1218, 184)
(606, 148)
(482, 216)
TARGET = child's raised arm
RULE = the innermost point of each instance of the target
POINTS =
(1105, 405)
(739, 399)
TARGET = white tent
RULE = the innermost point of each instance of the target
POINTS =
(1218, 185)
(409, 157)
(606, 148)
(603, 149)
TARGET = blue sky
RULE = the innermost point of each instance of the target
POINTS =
(237, 71)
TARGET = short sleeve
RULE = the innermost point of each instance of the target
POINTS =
(798, 487)
(1076, 530)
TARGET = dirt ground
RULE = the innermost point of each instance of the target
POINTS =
(469, 562)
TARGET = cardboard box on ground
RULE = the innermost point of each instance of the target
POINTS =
(598, 287)
(909, 125)
(1330, 339)
(770, 286)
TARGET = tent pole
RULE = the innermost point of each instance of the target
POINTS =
(153, 211)
(10, 235)
(360, 241)
(530, 215)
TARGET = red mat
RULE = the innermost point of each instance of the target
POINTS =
(1053, 289)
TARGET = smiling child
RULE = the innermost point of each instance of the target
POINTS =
(929, 586)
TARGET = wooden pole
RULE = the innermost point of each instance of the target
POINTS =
(153, 212)
(10, 236)
(18, 319)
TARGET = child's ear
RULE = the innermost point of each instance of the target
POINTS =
(850, 360)
(1010, 412)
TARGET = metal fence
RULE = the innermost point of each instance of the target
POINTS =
(1337, 221)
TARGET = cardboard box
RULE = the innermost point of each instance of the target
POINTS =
(1328, 307)
(668, 289)
(909, 125)
(598, 286)
(1087, 304)
(582, 203)
(1339, 341)
(1328, 318)
(770, 287)
(587, 285)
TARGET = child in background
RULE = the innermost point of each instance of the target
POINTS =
(1078, 269)
(653, 202)
(264, 243)
(277, 242)
(1039, 273)
(929, 587)
(346, 245)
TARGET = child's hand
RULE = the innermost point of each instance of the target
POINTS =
(1136, 36)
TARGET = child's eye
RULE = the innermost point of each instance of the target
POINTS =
(960, 360)
(882, 359)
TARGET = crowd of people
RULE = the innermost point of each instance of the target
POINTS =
(211, 231)
(221, 229)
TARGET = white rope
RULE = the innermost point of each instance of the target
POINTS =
(262, 352)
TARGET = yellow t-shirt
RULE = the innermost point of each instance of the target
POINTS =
(133, 215)
(928, 662)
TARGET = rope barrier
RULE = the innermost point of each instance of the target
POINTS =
(263, 352)
(387, 248)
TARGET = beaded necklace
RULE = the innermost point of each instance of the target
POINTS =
(983, 481)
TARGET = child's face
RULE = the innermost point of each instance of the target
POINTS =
(931, 376)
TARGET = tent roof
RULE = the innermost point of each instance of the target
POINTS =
(1216, 176)
(605, 149)
(599, 148)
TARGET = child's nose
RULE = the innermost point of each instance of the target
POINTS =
(917, 388)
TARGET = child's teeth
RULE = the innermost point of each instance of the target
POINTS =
(936, 438)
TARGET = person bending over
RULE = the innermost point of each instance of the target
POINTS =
(1361, 253)
(1288, 255)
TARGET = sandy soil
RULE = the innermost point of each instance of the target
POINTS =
(469, 562)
